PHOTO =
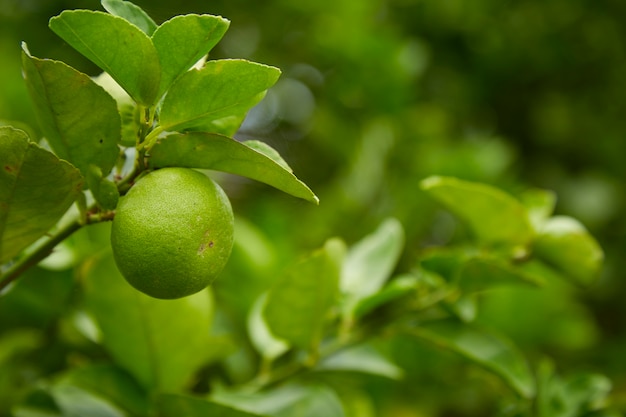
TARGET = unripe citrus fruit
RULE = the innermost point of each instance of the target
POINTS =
(172, 233)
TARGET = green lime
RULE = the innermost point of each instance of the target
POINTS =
(172, 233)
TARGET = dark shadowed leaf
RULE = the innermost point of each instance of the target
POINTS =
(183, 40)
(36, 189)
(487, 349)
(220, 153)
(131, 12)
(78, 117)
(397, 288)
(116, 46)
(575, 395)
(200, 99)
(37, 403)
(38, 298)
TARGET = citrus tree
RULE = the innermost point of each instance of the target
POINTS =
(119, 190)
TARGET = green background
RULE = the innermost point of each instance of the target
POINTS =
(375, 96)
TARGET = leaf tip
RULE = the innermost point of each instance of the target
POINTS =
(430, 182)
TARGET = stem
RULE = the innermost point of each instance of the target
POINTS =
(39, 254)
(151, 138)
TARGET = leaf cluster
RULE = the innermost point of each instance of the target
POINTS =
(158, 103)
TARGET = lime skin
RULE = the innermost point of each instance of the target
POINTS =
(172, 233)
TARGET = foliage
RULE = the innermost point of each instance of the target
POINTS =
(431, 281)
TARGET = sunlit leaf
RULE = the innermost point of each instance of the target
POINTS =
(36, 189)
(183, 40)
(131, 12)
(261, 337)
(371, 261)
(540, 205)
(76, 402)
(298, 303)
(109, 382)
(494, 216)
(487, 349)
(171, 405)
(116, 46)
(220, 153)
(361, 358)
(160, 342)
(564, 243)
(286, 401)
(222, 88)
(268, 151)
(78, 118)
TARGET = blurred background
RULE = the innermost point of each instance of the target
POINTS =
(378, 94)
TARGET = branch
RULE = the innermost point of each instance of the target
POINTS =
(39, 253)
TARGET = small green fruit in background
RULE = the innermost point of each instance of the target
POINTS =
(172, 233)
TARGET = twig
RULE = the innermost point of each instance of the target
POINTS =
(39, 254)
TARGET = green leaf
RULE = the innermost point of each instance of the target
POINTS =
(131, 12)
(395, 289)
(183, 40)
(110, 383)
(361, 358)
(117, 47)
(37, 299)
(540, 205)
(267, 150)
(76, 402)
(487, 349)
(298, 303)
(220, 153)
(160, 342)
(371, 261)
(104, 191)
(36, 189)
(317, 401)
(494, 216)
(199, 99)
(565, 244)
(286, 401)
(485, 272)
(268, 346)
(171, 405)
(37, 403)
(572, 396)
(78, 117)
